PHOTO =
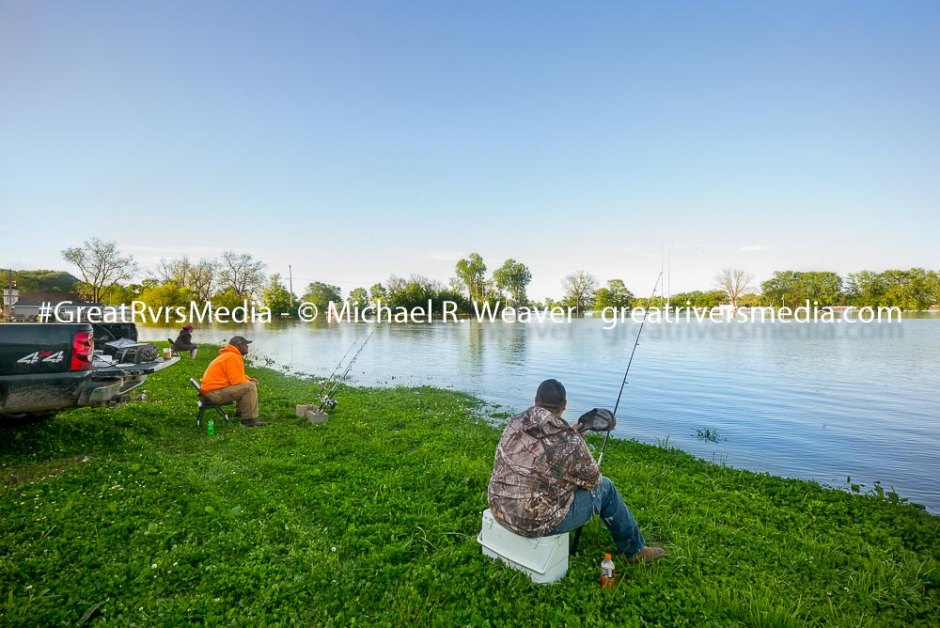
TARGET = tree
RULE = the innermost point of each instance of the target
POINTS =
(203, 278)
(750, 299)
(199, 279)
(394, 289)
(711, 298)
(735, 282)
(229, 299)
(911, 289)
(413, 292)
(935, 282)
(121, 294)
(167, 295)
(450, 293)
(175, 271)
(101, 264)
(579, 290)
(865, 288)
(823, 287)
(359, 296)
(615, 294)
(377, 293)
(513, 277)
(782, 285)
(696, 299)
(320, 294)
(241, 272)
(416, 291)
(44, 281)
(471, 272)
(276, 297)
(796, 288)
(492, 294)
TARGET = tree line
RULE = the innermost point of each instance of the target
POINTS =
(227, 281)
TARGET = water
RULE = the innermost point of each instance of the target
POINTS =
(813, 401)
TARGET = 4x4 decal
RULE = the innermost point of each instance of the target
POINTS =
(42, 356)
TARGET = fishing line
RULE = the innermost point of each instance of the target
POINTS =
(623, 384)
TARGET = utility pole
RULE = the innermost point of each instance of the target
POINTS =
(8, 301)
(669, 284)
(290, 283)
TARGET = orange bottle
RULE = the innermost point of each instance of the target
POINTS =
(608, 573)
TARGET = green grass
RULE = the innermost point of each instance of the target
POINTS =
(133, 516)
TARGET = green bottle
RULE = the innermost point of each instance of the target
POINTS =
(210, 426)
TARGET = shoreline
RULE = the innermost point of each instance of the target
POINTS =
(373, 516)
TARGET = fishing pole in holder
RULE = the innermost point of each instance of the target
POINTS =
(329, 380)
(325, 398)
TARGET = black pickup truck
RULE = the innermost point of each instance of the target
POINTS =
(47, 367)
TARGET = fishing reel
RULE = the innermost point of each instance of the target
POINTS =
(597, 420)
(327, 403)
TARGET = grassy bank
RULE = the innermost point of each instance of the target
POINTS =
(130, 515)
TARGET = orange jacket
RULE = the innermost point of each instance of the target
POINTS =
(226, 370)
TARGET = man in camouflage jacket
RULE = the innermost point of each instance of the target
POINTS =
(545, 480)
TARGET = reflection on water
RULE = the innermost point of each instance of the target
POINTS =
(819, 401)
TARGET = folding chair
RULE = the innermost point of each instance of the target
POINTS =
(204, 404)
(173, 348)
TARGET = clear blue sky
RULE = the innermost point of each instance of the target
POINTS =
(358, 139)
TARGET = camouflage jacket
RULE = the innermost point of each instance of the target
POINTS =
(540, 461)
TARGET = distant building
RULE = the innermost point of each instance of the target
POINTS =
(26, 305)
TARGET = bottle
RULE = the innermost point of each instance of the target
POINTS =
(210, 427)
(608, 573)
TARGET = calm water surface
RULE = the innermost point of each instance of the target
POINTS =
(814, 401)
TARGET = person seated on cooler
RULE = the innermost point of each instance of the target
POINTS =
(546, 482)
(184, 342)
(225, 381)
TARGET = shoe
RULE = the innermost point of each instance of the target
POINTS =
(253, 423)
(647, 555)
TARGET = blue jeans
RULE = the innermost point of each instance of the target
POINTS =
(606, 501)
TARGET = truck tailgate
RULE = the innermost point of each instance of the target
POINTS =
(104, 368)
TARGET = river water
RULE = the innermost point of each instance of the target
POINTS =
(815, 401)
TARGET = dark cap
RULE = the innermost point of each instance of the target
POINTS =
(238, 340)
(550, 395)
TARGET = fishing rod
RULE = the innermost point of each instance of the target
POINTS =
(604, 418)
(329, 380)
(327, 400)
(636, 343)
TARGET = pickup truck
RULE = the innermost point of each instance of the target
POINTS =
(48, 367)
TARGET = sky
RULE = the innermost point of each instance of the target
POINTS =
(354, 140)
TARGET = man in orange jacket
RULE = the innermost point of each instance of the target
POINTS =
(225, 381)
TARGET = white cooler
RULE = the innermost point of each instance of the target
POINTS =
(544, 558)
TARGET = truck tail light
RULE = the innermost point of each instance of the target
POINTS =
(83, 344)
